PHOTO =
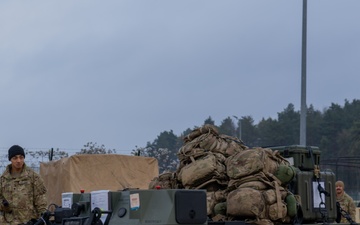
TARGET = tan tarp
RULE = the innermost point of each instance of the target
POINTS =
(97, 172)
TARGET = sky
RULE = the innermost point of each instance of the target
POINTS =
(118, 73)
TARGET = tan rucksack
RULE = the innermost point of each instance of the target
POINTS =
(206, 129)
(199, 171)
(166, 180)
(252, 161)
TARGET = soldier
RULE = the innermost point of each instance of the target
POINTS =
(346, 202)
(22, 191)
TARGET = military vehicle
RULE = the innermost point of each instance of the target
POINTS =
(166, 206)
(219, 180)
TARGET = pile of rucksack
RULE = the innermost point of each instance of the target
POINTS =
(242, 183)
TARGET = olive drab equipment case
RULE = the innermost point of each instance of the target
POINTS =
(318, 197)
(303, 157)
(314, 188)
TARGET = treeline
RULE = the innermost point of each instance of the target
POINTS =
(335, 130)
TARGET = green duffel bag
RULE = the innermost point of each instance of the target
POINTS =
(285, 173)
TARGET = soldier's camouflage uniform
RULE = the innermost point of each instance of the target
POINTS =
(26, 195)
(347, 204)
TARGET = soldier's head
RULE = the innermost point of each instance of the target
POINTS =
(339, 186)
(16, 156)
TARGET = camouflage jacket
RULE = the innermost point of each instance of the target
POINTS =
(348, 205)
(25, 194)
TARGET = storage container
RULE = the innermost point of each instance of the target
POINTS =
(303, 157)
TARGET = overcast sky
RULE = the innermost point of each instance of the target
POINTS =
(119, 73)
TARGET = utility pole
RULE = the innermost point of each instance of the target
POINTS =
(303, 78)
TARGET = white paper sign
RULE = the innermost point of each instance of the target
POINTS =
(66, 199)
(100, 199)
(316, 195)
(134, 201)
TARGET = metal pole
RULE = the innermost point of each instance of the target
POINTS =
(303, 78)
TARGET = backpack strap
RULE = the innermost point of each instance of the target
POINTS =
(278, 198)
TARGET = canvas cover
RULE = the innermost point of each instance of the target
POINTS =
(91, 172)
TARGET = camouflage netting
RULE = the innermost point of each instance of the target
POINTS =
(241, 183)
